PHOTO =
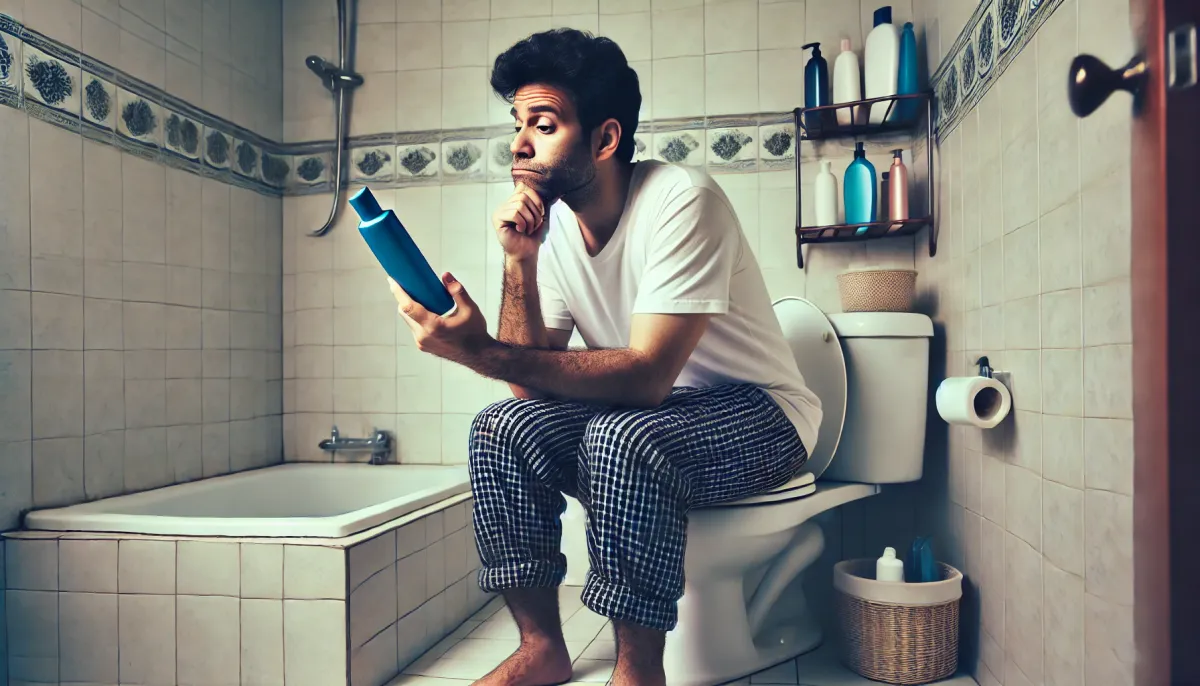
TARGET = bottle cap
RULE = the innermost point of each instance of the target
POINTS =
(883, 15)
(365, 204)
(898, 153)
(845, 44)
(859, 150)
(889, 553)
(816, 48)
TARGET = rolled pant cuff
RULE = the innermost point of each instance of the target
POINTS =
(539, 574)
(619, 603)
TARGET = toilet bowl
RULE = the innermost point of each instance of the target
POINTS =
(743, 609)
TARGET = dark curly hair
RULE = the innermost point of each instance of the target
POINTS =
(593, 71)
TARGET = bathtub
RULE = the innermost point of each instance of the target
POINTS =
(287, 500)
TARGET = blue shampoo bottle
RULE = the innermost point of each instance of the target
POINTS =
(906, 78)
(816, 85)
(860, 190)
(399, 255)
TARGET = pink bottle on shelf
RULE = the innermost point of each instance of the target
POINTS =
(897, 188)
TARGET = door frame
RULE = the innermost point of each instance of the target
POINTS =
(1165, 288)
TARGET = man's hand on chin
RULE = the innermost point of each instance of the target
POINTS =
(460, 336)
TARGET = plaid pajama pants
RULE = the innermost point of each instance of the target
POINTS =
(636, 472)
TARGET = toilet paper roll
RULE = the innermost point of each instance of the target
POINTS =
(973, 400)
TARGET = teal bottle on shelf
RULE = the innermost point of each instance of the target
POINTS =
(860, 190)
(906, 78)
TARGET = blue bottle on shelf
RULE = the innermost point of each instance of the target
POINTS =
(399, 255)
(906, 78)
(860, 190)
(817, 90)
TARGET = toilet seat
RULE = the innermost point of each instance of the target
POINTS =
(814, 343)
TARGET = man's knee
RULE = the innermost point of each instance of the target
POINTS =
(503, 425)
(620, 440)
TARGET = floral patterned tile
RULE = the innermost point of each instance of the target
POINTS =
(138, 119)
(463, 159)
(218, 148)
(310, 170)
(245, 159)
(414, 161)
(51, 81)
(733, 148)
(680, 147)
(642, 146)
(499, 158)
(10, 62)
(182, 136)
(99, 102)
(375, 163)
(777, 145)
(275, 169)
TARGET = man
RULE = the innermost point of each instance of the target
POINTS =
(686, 395)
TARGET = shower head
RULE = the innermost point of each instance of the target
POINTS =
(331, 76)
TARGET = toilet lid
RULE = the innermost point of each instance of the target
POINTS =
(818, 353)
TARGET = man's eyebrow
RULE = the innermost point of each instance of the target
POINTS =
(537, 109)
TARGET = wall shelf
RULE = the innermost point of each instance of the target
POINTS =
(821, 123)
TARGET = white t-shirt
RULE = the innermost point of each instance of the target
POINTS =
(678, 249)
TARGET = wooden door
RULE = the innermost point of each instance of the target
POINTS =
(1165, 263)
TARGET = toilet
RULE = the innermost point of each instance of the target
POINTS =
(743, 609)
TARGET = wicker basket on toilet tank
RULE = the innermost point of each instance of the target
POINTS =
(897, 633)
(877, 289)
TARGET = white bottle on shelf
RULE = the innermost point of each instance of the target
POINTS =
(826, 194)
(882, 57)
(846, 83)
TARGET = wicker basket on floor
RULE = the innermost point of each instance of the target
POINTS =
(897, 633)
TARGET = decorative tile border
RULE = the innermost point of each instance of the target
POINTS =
(991, 40)
(64, 87)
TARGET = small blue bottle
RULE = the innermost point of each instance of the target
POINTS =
(817, 91)
(906, 78)
(860, 190)
(399, 255)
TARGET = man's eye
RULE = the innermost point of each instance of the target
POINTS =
(544, 128)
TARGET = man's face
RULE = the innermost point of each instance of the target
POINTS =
(551, 151)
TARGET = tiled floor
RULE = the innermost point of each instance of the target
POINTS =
(483, 641)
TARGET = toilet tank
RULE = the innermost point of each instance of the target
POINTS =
(887, 380)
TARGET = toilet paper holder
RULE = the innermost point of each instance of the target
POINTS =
(986, 370)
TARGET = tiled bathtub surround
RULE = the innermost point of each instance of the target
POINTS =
(158, 610)
(1034, 273)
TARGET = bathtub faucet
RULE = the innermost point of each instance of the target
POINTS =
(380, 444)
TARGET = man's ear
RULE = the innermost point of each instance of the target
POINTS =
(606, 139)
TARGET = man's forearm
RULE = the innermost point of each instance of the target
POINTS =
(520, 308)
(607, 377)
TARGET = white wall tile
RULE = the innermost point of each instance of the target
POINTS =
(262, 641)
(57, 472)
(32, 621)
(1063, 449)
(208, 568)
(1063, 524)
(261, 570)
(88, 637)
(87, 566)
(208, 639)
(1109, 546)
(1107, 381)
(147, 638)
(146, 465)
(1109, 652)
(1023, 608)
(1062, 382)
(781, 25)
(678, 32)
(314, 641)
(57, 394)
(313, 572)
(373, 606)
(731, 26)
(146, 566)
(729, 86)
(31, 564)
(375, 662)
(411, 582)
(369, 557)
(104, 464)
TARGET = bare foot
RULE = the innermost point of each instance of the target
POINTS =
(534, 664)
